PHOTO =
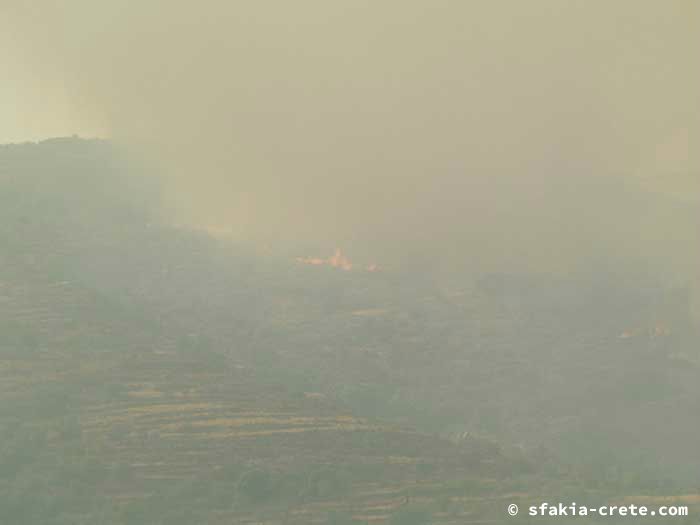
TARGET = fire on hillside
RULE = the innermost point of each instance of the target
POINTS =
(337, 260)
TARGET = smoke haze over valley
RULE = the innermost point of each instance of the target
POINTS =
(401, 262)
(451, 134)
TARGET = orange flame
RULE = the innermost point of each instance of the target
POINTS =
(337, 260)
(658, 330)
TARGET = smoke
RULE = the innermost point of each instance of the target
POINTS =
(543, 135)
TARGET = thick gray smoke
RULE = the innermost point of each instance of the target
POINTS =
(543, 134)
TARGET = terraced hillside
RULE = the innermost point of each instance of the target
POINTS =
(117, 407)
(152, 375)
(142, 424)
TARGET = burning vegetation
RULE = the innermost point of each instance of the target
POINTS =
(337, 260)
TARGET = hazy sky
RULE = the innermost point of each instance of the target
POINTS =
(35, 104)
(483, 131)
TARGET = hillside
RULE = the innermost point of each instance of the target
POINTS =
(151, 374)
